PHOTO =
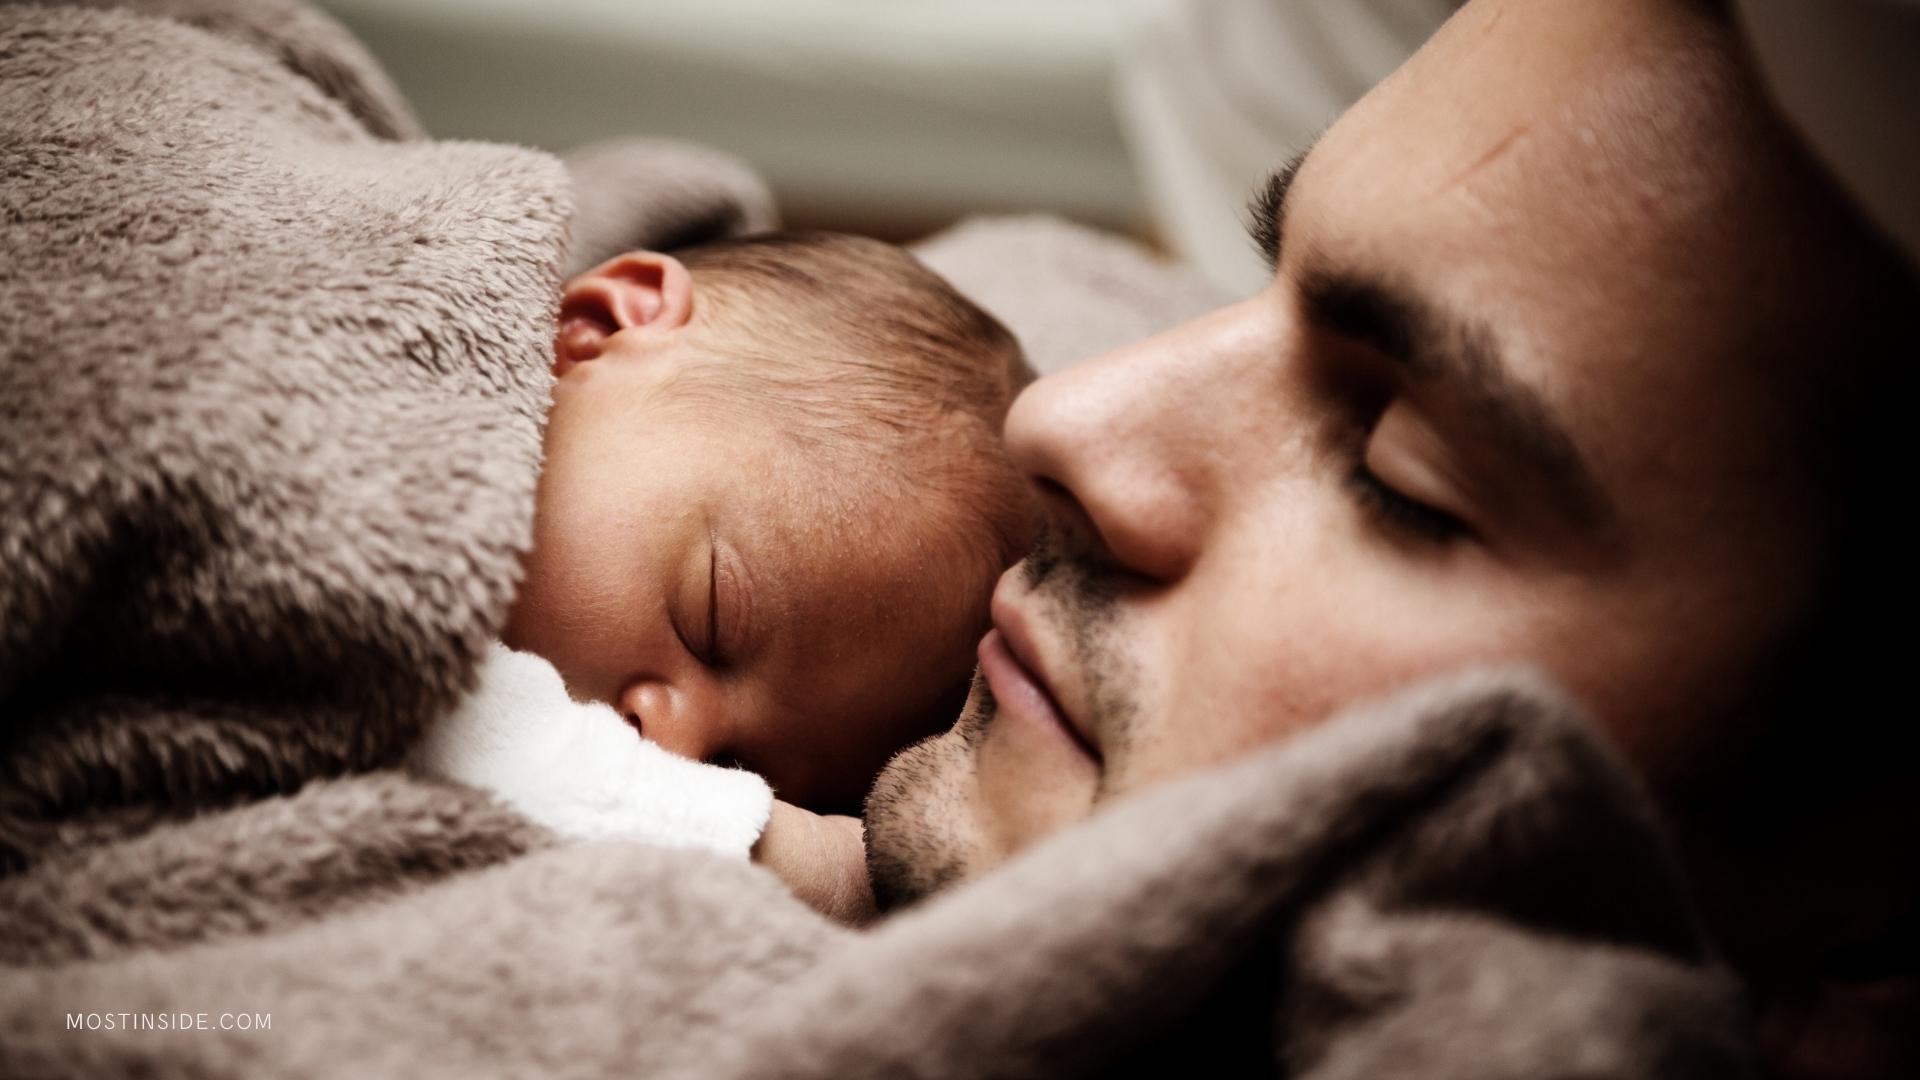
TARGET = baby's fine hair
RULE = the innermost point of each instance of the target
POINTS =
(869, 358)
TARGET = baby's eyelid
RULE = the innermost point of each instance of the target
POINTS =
(713, 599)
(736, 640)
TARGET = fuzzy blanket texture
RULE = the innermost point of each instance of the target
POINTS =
(271, 389)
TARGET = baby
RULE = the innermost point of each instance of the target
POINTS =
(771, 513)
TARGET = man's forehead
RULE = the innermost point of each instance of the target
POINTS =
(1582, 217)
(1607, 113)
(1548, 157)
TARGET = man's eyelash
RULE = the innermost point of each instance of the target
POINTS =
(1395, 509)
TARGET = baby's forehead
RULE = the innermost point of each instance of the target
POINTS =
(888, 590)
(895, 531)
(893, 524)
(889, 544)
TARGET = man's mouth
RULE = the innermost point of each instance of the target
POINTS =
(1010, 665)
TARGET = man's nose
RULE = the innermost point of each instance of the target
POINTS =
(1121, 449)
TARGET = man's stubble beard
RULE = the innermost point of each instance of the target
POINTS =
(915, 823)
(919, 832)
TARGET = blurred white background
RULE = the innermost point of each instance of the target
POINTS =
(901, 114)
(1150, 117)
(896, 117)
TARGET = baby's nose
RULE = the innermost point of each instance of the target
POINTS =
(671, 717)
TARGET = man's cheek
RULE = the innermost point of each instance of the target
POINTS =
(1230, 679)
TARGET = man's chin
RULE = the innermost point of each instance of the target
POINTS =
(920, 835)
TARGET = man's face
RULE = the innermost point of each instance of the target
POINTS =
(1500, 402)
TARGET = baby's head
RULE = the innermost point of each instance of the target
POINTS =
(774, 503)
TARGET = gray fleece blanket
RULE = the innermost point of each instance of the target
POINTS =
(274, 373)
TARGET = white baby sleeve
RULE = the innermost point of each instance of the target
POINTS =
(581, 770)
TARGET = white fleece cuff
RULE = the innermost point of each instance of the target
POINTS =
(581, 770)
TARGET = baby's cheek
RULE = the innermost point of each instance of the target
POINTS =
(532, 611)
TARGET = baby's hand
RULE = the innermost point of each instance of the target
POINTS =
(822, 858)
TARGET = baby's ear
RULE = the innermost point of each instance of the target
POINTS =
(641, 293)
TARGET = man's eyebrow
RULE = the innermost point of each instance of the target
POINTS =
(1267, 208)
(1461, 355)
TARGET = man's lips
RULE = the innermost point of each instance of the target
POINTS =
(1006, 660)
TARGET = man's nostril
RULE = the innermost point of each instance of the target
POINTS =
(1068, 525)
(1063, 511)
(1051, 489)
